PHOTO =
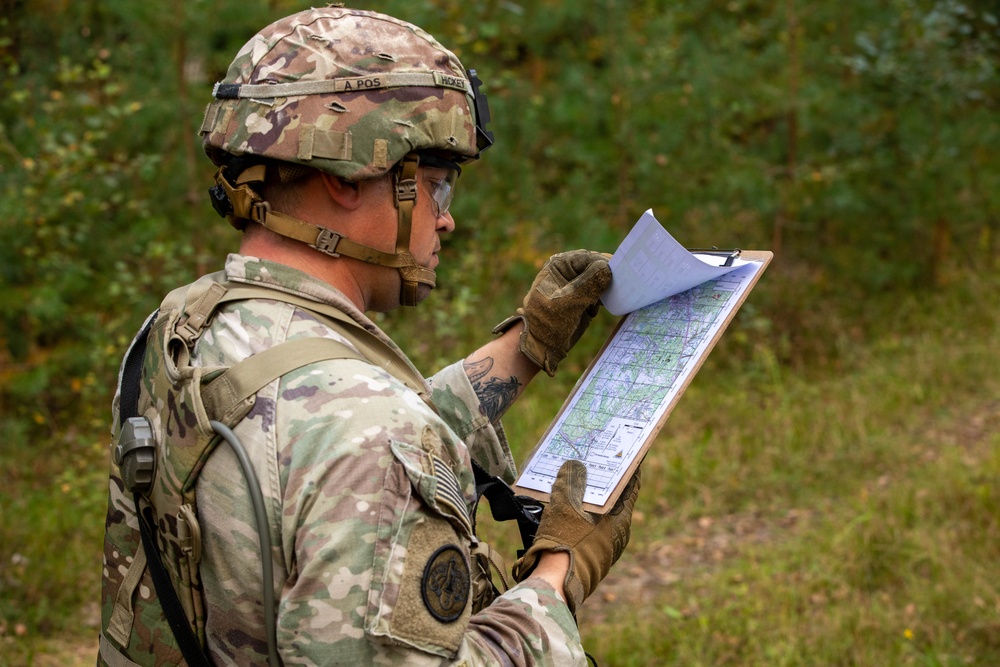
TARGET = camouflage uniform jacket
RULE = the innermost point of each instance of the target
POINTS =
(367, 546)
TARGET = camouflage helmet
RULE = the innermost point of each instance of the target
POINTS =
(355, 94)
(348, 92)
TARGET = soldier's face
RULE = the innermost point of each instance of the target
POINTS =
(428, 225)
(426, 229)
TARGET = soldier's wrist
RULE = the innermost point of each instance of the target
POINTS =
(553, 568)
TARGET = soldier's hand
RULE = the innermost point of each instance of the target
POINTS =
(563, 298)
(594, 542)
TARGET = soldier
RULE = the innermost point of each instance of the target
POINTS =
(339, 136)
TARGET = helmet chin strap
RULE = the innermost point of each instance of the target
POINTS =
(246, 205)
(405, 198)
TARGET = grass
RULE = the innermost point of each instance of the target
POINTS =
(836, 513)
(53, 503)
(890, 469)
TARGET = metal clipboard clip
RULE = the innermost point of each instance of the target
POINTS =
(730, 255)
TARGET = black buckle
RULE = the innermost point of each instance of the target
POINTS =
(220, 200)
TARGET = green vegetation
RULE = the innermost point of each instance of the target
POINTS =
(826, 492)
(838, 520)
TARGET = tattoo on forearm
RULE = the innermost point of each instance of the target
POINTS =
(495, 394)
(477, 370)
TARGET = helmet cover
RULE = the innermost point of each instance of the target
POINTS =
(346, 91)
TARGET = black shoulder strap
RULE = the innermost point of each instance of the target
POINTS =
(188, 643)
(128, 402)
(506, 505)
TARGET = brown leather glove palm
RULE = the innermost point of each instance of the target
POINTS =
(563, 298)
(594, 542)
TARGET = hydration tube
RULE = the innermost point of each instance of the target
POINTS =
(263, 533)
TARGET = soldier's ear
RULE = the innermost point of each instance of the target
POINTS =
(344, 193)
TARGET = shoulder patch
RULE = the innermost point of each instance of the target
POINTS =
(445, 584)
(435, 483)
(448, 495)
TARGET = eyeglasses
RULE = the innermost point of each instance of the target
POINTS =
(442, 190)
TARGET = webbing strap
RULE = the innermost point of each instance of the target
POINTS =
(188, 643)
(246, 378)
(197, 313)
(405, 198)
(322, 238)
(128, 401)
(506, 505)
(123, 616)
(111, 655)
(375, 350)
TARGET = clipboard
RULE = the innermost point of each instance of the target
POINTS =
(761, 259)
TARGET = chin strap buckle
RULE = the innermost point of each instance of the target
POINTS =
(258, 210)
(327, 241)
(406, 189)
(406, 180)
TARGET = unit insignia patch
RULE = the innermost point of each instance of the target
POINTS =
(445, 584)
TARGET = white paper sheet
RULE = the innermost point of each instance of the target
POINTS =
(650, 265)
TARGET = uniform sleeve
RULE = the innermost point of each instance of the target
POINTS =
(458, 406)
(376, 532)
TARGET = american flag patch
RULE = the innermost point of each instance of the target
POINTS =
(448, 494)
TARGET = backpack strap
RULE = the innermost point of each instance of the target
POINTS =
(187, 641)
(226, 395)
(374, 349)
(505, 505)
(131, 374)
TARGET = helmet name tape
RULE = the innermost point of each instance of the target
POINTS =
(232, 91)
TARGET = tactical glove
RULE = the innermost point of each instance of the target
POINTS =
(593, 542)
(557, 309)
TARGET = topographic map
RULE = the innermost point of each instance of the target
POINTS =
(619, 406)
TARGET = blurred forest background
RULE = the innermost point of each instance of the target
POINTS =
(827, 490)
